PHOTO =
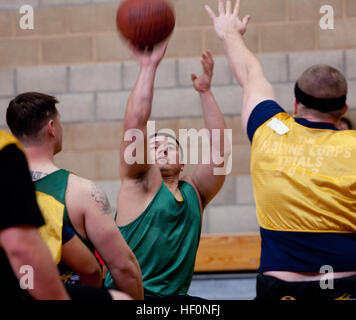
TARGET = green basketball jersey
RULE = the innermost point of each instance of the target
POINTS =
(55, 184)
(165, 239)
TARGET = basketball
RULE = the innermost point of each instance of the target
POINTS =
(145, 22)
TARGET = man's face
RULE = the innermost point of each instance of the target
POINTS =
(165, 152)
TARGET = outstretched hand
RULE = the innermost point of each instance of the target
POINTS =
(228, 21)
(150, 57)
(203, 82)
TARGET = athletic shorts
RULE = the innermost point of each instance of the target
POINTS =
(270, 288)
(185, 297)
(84, 293)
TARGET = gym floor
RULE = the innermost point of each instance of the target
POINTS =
(227, 286)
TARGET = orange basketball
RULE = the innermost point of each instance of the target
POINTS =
(145, 22)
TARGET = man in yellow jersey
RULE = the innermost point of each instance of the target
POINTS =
(303, 170)
(158, 212)
(22, 250)
(33, 118)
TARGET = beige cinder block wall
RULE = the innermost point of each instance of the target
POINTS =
(74, 52)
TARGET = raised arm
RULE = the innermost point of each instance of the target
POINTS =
(245, 66)
(207, 178)
(137, 113)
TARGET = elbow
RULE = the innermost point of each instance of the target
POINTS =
(129, 267)
(21, 253)
(134, 121)
(92, 277)
(23, 244)
(128, 278)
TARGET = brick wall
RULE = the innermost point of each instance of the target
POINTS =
(83, 31)
(75, 53)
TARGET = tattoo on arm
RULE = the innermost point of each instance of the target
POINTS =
(35, 175)
(100, 197)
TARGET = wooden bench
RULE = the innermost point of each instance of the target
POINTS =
(228, 252)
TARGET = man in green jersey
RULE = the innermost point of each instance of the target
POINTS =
(158, 213)
(34, 119)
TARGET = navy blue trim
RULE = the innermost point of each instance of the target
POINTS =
(315, 125)
(67, 232)
(307, 251)
(260, 114)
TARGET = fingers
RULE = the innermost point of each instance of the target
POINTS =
(210, 56)
(221, 7)
(246, 20)
(207, 63)
(193, 76)
(164, 48)
(133, 49)
(228, 7)
(210, 12)
(236, 8)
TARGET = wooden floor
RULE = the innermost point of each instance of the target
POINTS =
(228, 252)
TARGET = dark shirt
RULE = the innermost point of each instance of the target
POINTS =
(18, 208)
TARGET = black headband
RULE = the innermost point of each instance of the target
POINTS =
(321, 104)
(170, 136)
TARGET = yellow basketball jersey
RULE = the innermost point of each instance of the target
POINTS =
(304, 180)
(7, 139)
(51, 232)
(51, 209)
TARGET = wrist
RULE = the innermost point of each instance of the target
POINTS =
(205, 95)
(205, 92)
(148, 67)
(232, 35)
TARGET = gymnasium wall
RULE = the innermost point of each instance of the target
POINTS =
(75, 53)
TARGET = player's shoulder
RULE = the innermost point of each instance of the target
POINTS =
(86, 196)
(80, 186)
(262, 112)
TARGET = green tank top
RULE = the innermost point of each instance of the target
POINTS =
(165, 239)
(55, 184)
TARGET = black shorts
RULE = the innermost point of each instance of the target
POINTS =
(184, 298)
(86, 293)
(270, 288)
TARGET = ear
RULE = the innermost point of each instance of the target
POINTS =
(344, 110)
(182, 167)
(295, 107)
(50, 128)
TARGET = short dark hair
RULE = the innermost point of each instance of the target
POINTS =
(28, 112)
(323, 82)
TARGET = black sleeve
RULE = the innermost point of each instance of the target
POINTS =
(17, 196)
(260, 114)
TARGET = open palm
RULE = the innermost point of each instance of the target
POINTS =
(228, 21)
